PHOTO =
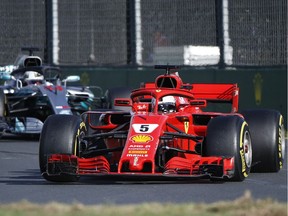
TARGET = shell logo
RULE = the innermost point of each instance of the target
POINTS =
(141, 138)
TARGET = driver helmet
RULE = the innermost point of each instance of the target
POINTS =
(168, 104)
(33, 77)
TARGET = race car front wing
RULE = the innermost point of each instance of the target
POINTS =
(213, 167)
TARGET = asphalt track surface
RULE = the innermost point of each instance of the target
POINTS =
(20, 179)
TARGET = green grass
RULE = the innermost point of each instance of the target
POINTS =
(243, 206)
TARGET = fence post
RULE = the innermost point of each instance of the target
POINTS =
(220, 31)
(49, 33)
(131, 32)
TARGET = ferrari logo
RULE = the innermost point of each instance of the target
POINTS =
(186, 126)
(135, 162)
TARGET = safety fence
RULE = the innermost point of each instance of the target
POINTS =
(143, 33)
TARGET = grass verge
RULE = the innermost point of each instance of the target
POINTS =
(242, 206)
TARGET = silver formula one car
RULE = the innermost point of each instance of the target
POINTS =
(31, 92)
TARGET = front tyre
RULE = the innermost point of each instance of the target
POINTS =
(229, 136)
(60, 135)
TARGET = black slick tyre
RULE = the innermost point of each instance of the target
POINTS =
(229, 136)
(2, 104)
(3, 123)
(268, 141)
(60, 135)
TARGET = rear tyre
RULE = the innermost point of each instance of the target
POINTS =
(2, 103)
(60, 135)
(229, 136)
(3, 123)
(268, 137)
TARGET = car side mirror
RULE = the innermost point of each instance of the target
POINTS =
(198, 103)
(123, 102)
(73, 78)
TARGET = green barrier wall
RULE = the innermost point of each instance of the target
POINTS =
(259, 88)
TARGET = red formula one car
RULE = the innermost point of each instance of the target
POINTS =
(170, 131)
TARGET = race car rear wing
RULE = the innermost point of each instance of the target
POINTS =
(211, 92)
(226, 93)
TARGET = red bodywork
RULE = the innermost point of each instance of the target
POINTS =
(147, 141)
